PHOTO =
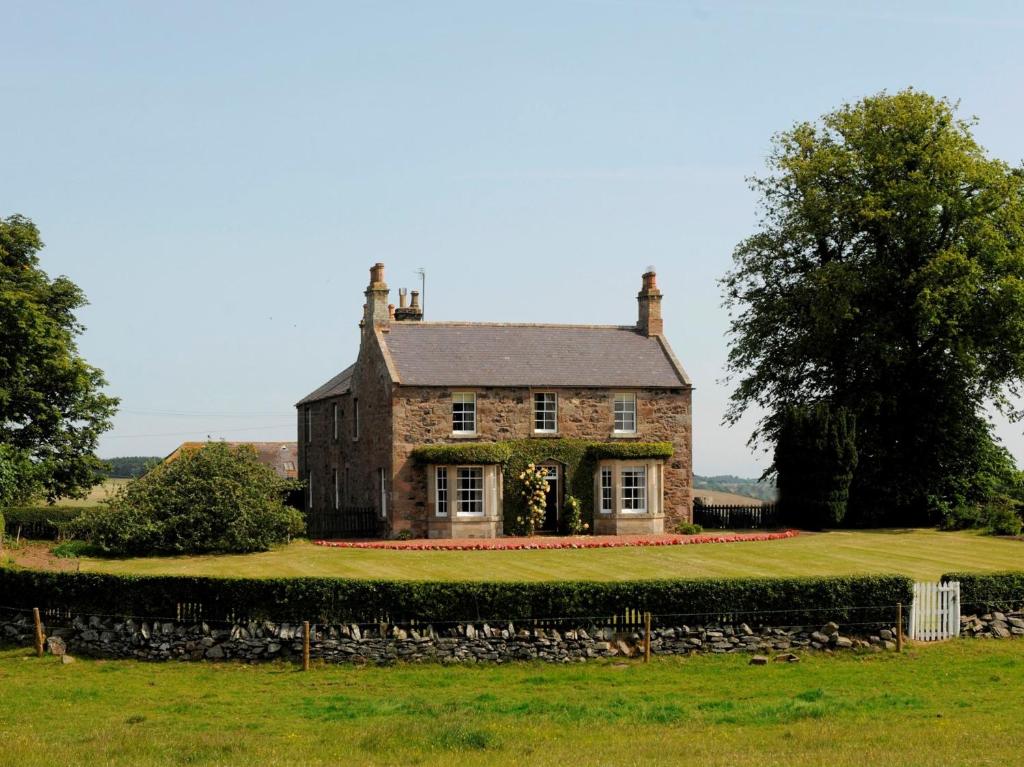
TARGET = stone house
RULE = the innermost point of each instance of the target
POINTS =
(614, 394)
(282, 457)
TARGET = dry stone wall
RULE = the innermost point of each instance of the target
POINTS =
(463, 643)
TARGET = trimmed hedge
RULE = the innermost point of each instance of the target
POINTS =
(767, 601)
(578, 456)
(41, 522)
(469, 452)
(983, 592)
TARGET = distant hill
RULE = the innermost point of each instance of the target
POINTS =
(727, 483)
(130, 466)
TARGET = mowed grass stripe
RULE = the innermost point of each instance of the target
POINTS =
(929, 706)
(922, 554)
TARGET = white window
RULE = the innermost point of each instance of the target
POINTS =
(469, 490)
(334, 415)
(355, 419)
(383, 494)
(633, 481)
(545, 412)
(309, 488)
(334, 481)
(625, 413)
(464, 413)
(309, 424)
(607, 496)
(442, 491)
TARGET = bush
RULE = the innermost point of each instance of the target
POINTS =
(983, 592)
(767, 601)
(689, 528)
(963, 517)
(572, 518)
(216, 498)
(1002, 520)
(43, 522)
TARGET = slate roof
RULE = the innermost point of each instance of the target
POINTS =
(340, 384)
(497, 354)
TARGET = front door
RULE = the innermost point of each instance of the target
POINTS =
(551, 501)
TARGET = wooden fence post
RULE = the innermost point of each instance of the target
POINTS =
(305, 645)
(39, 632)
(899, 627)
(647, 637)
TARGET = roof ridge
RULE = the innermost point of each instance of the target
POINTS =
(466, 323)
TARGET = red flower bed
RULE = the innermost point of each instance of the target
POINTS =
(579, 542)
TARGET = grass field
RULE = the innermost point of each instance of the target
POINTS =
(923, 554)
(98, 493)
(950, 704)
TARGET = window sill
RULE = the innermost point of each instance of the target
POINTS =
(545, 434)
(465, 435)
(625, 435)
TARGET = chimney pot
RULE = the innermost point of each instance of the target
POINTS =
(403, 296)
(377, 273)
(415, 299)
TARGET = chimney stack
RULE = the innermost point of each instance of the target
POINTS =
(376, 313)
(649, 299)
(413, 311)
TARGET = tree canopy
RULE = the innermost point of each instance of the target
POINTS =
(52, 405)
(886, 277)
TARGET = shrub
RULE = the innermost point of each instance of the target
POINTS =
(963, 517)
(767, 601)
(1003, 520)
(572, 516)
(982, 592)
(43, 522)
(216, 498)
(689, 528)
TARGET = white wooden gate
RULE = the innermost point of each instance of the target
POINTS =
(935, 613)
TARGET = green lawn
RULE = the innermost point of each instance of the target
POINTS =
(100, 492)
(949, 704)
(923, 554)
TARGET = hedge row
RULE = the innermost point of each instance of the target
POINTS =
(982, 592)
(768, 601)
(41, 522)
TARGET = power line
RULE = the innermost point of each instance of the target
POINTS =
(200, 414)
(195, 431)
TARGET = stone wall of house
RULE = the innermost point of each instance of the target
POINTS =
(465, 643)
(357, 459)
(422, 415)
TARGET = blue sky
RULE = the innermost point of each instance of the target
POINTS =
(218, 177)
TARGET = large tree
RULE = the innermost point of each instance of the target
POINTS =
(52, 405)
(886, 276)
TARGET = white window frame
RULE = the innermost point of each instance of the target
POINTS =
(309, 424)
(355, 419)
(334, 414)
(334, 476)
(309, 489)
(381, 474)
(459, 490)
(441, 498)
(639, 491)
(463, 398)
(542, 413)
(624, 398)
(607, 473)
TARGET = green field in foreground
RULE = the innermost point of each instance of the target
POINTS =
(953, 703)
(922, 554)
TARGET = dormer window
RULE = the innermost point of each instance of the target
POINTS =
(464, 413)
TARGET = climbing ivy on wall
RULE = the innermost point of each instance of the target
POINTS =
(579, 458)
